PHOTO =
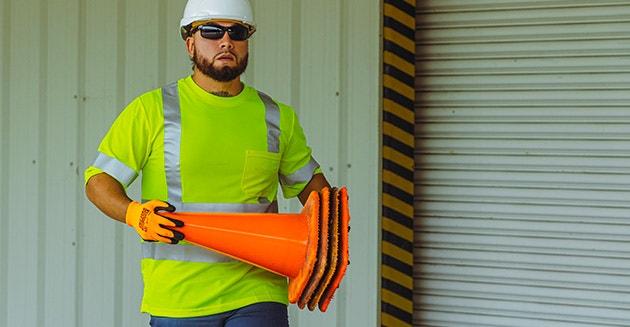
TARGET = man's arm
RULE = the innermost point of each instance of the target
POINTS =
(108, 195)
(317, 183)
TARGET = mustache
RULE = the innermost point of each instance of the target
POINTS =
(224, 53)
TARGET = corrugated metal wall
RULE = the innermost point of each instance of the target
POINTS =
(523, 163)
(68, 67)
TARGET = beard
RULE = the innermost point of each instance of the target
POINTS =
(221, 74)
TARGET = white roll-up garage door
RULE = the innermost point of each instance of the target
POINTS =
(522, 211)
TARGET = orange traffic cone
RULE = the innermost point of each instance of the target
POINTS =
(292, 245)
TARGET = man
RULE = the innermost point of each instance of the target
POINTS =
(205, 143)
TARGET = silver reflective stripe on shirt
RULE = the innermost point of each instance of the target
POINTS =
(272, 118)
(172, 138)
(181, 252)
(114, 168)
(172, 141)
(227, 207)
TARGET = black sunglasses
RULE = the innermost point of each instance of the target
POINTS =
(236, 32)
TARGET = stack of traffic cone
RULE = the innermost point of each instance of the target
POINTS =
(310, 248)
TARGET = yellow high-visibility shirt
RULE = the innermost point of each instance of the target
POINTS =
(224, 159)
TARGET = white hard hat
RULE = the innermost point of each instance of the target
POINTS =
(204, 10)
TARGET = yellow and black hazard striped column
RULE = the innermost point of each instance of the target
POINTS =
(399, 25)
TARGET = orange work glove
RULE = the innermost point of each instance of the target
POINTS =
(150, 225)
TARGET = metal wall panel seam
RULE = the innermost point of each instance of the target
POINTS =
(42, 160)
(118, 318)
(5, 92)
(163, 30)
(83, 161)
(81, 205)
(398, 143)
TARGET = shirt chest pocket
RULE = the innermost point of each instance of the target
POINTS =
(260, 174)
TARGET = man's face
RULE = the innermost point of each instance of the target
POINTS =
(223, 59)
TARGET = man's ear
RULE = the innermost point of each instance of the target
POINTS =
(190, 46)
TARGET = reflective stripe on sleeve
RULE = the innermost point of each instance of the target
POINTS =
(303, 174)
(114, 168)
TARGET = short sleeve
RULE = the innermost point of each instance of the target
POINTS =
(297, 166)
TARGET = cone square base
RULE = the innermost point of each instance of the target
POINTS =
(333, 249)
(322, 253)
(343, 250)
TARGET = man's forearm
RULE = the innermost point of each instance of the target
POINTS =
(108, 195)
(317, 183)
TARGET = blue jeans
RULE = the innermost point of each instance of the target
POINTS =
(266, 314)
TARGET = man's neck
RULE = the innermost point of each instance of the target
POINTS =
(222, 89)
